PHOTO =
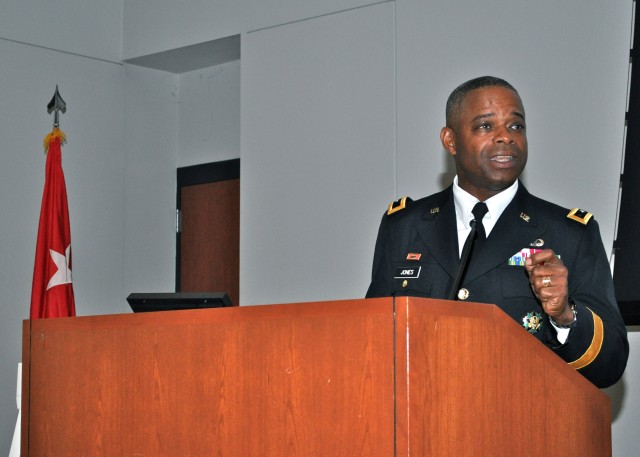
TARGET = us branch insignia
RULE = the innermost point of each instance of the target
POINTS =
(532, 322)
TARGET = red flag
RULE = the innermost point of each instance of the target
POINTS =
(52, 289)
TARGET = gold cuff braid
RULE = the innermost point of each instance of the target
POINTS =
(594, 348)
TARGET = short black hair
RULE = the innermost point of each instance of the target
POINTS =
(459, 93)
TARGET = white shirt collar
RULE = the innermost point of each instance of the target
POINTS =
(465, 202)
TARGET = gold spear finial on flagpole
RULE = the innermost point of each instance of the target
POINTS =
(56, 105)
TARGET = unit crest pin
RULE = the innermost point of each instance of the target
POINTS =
(532, 322)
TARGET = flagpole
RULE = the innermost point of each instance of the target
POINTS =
(52, 287)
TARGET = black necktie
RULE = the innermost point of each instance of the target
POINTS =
(479, 212)
(472, 244)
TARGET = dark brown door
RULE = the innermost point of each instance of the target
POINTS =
(208, 247)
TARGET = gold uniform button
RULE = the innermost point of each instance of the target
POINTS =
(463, 294)
(405, 283)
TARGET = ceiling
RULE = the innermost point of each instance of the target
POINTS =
(194, 57)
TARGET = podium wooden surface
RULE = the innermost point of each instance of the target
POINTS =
(377, 377)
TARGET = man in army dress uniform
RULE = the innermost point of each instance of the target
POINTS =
(543, 265)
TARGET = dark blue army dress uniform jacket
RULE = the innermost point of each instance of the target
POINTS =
(422, 240)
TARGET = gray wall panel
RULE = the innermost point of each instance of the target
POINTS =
(317, 154)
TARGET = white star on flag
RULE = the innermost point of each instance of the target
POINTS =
(63, 274)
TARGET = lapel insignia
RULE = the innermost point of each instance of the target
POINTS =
(414, 256)
(580, 215)
(435, 210)
(525, 217)
(532, 322)
(537, 243)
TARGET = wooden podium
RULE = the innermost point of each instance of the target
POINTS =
(379, 377)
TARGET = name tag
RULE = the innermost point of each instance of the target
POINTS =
(407, 272)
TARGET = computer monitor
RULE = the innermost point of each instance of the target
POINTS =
(169, 301)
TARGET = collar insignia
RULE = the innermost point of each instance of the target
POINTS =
(525, 217)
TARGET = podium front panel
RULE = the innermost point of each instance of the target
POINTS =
(280, 380)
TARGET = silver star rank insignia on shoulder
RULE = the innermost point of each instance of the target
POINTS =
(532, 322)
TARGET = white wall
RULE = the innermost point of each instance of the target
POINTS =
(92, 29)
(152, 26)
(209, 115)
(317, 154)
(151, 130)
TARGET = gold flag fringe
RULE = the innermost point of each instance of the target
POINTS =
(55, 134)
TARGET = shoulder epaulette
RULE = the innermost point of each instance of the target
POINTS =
(580, 215)
(398, 205)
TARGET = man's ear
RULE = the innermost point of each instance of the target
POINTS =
(448, 139)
